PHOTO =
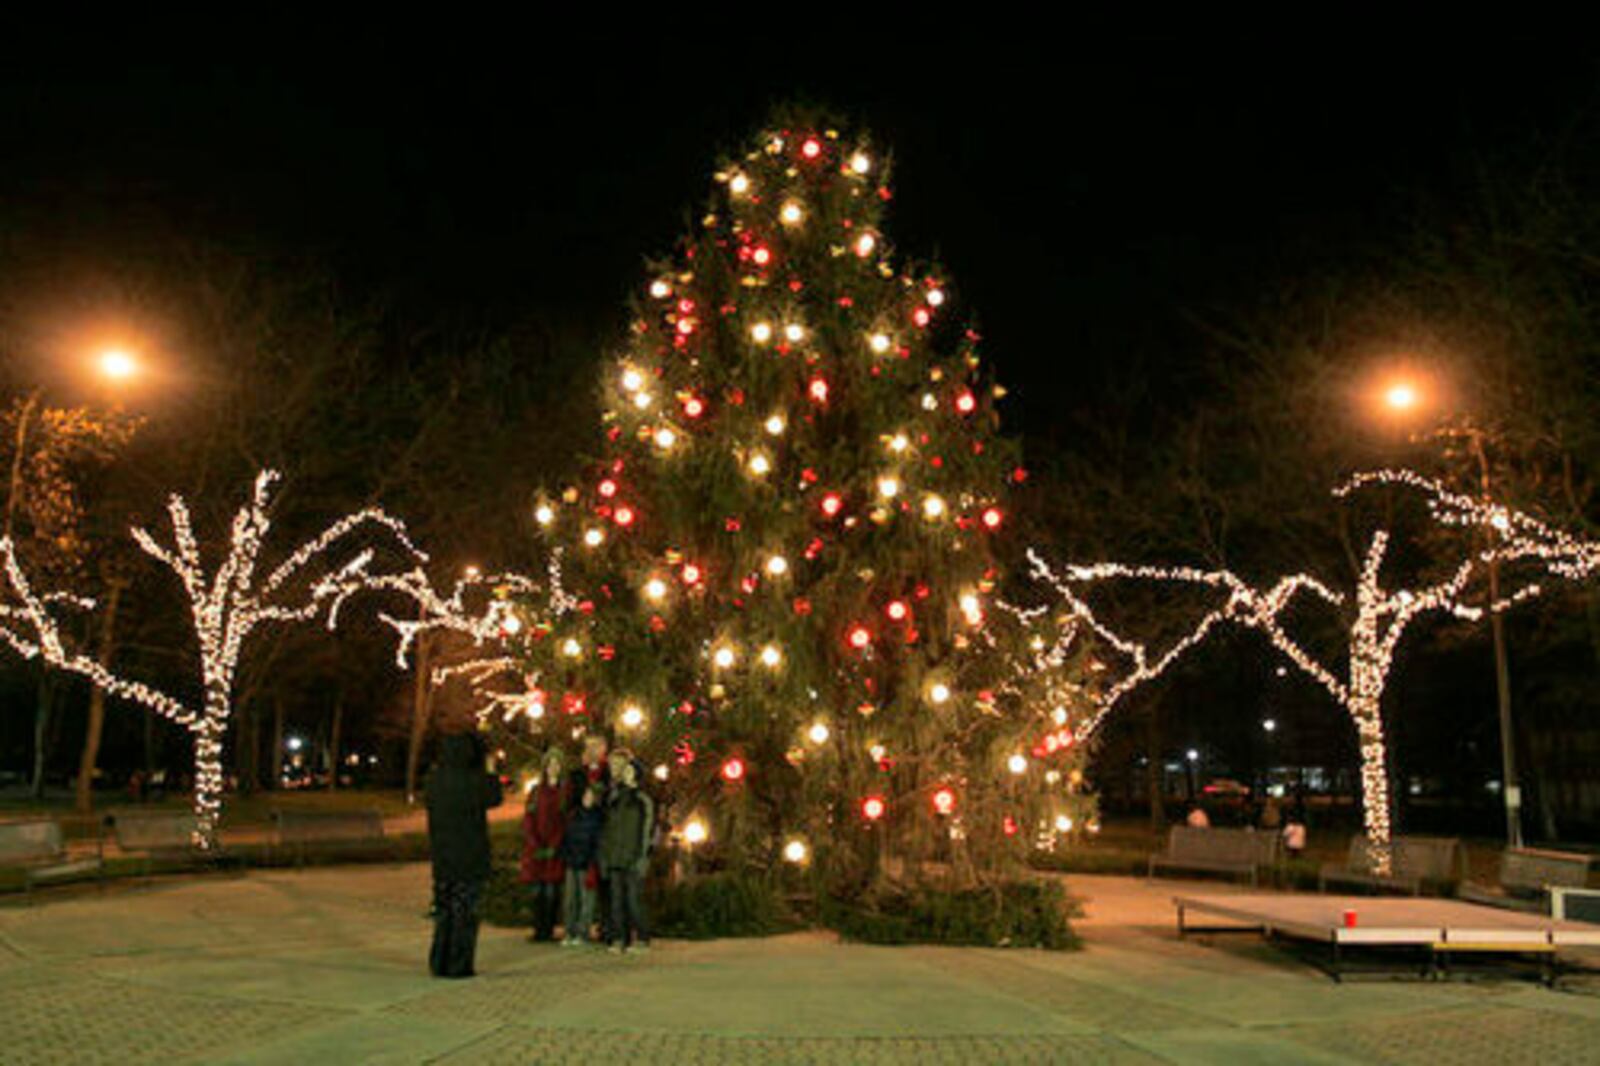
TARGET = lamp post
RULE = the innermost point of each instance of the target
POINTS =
(1404, 398)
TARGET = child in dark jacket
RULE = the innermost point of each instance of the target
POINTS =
(580, 850)
(625, 855)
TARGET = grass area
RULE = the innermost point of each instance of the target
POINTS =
(253, 811)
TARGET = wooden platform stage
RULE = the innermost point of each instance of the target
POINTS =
(1435, 929)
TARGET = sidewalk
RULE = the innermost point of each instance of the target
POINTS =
(328, 965)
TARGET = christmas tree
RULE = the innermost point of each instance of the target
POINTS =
(784, 560)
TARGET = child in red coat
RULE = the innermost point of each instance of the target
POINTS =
(543, 825)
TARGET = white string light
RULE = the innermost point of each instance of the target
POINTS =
(224, 610)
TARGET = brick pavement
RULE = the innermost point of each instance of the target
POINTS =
(328, 965)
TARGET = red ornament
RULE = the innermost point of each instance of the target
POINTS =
(802, 606)
(686, 326)
(686, 305)
(1010, 826)
(872, 808)
(944, 801)
(691, 574)
(897, 610)
(733, 768)
(657, 624)
(608, 488)
(921, 316)
(573, 703)
(607, 652)
(586, 607)
(859, 636)
(992, 517)
(762, 255)
(732, 525)
(832, 503)
(811, 148)
(684, 751)
(818, 390)
(624, 517)
(922, 592)
(809, 476)
(694, 407)
(814, 549)
(966, 403)
(749, 583)
(1019, 475)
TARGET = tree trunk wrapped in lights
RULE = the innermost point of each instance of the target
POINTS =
(226, 607)
(785, 551)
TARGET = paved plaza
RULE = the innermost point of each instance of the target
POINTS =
(329, 966)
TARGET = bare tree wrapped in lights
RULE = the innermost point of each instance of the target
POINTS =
(1381, 618)
(227, 605)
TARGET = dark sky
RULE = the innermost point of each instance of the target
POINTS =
(1080, 196)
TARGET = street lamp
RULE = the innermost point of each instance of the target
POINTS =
(1404, 397)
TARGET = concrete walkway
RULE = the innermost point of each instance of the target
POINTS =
(328, 966)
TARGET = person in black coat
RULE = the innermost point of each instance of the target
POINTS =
(460, 793)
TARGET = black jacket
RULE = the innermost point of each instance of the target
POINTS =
(581, 845)
(460, 794)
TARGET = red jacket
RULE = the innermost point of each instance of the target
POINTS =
(542, 828)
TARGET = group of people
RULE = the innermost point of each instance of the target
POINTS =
(586, 840)
(586, 843)
(1291, 826)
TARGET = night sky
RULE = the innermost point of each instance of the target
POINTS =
(1086, 199)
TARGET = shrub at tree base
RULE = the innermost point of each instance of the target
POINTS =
(721, 905)
(1018, 914)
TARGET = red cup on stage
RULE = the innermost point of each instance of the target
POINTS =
(1349, 919)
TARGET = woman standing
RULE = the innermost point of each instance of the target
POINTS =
(543, 825)
(460, 794)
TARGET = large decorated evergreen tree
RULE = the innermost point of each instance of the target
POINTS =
(784, 561)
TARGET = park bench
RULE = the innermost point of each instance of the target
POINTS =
(37, 849)
(1414, 861)
(1238, 851)
(1526, 877)
(165, 836)
(301, 831)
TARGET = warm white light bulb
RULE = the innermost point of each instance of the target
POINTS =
(723, 657)
(792, 213)
(880, 342)
(641, 400)
(939, 693)
(933, 506)
(935, 297)
(632, 717)
(860, 163)
(660, 289)
(661, 772)
(819, 733)
(544, 514)
(795, 851)
(865, 244)
(1059, 716)
(888, 487)
(665, 438)
(1017, 764)
(761, 332)
(655, 588)
(775, 425)
(794, 333)
(777, 566)
(899, 442)
(739, 184)
(771, 656)
(1063, 823)
(695, 832)
(760, 465)
(594, 538)
(930, 402)
(571, 648)
(632, 380)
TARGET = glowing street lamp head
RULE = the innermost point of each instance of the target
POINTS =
(117, 365)
(1401, 396)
